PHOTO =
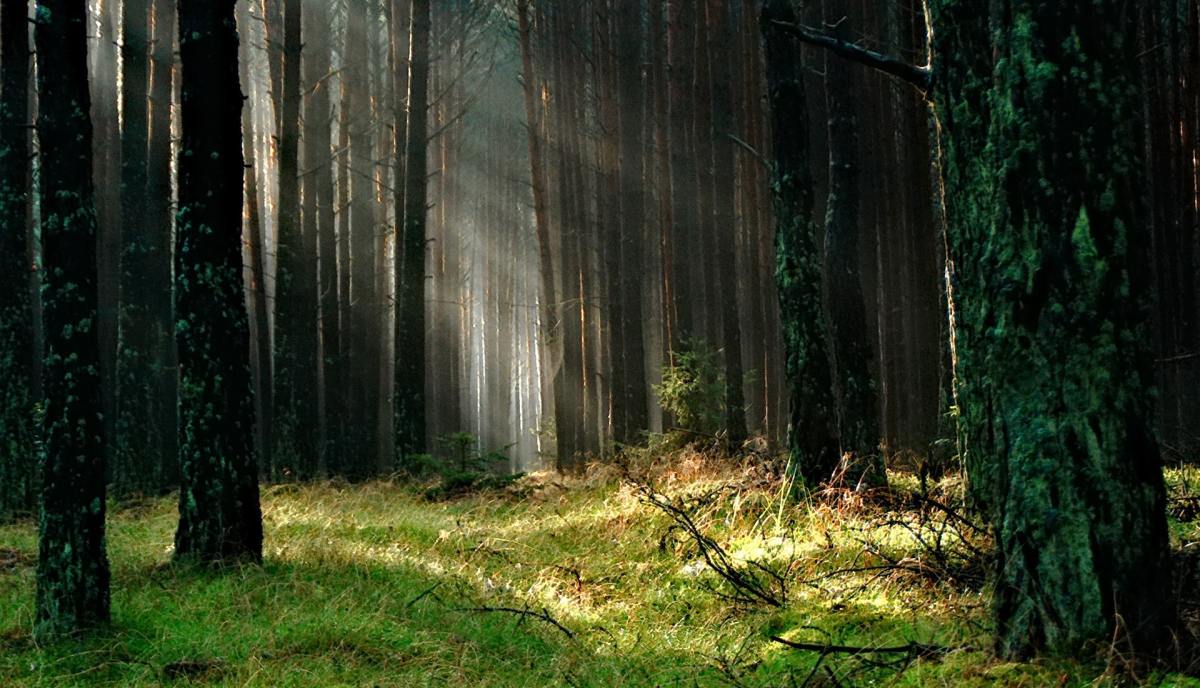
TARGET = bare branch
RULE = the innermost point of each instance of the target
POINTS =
(918, 76)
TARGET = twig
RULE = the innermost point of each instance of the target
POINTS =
(523, 613)
(914, 649)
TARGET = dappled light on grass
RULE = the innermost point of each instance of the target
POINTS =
(375, 585)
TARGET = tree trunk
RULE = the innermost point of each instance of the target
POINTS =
(849, 351)
(142, 430)
(1053, 378)
(631, 384)
(160, 224)
(410, 320)
(295, 449)
(812, 435)
(72, 569)
(726, 227)
(18, 448)
(219, 514)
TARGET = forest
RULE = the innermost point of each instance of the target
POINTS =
(739, 343)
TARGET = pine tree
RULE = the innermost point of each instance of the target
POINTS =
(219, 515)
(72, 569)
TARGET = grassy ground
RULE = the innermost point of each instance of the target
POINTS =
(374, 585)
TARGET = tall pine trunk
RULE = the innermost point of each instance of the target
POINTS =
(295, 449)
(18, 443)
(219, 514)
(410, 320)
(72, 569)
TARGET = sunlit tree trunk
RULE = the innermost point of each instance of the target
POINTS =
(144, 414)
(363, 372)
(72, 568)
(219, 514)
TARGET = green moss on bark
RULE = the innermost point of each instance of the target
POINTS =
(1039, 143)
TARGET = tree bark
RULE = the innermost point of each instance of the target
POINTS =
(72, 569)
(18, 467)
(857, 407)
(812, 436)
(1037, 119)
(219, 515)
(410, 320)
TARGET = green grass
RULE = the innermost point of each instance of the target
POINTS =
(373, 585)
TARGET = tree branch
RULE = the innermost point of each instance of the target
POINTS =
(921, 77)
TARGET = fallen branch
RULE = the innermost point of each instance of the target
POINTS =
(912, 649)
(543, 616)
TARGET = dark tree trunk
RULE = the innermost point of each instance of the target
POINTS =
(722, 23)
(684, 218)
(295, 449)
(160, 225)
(219, 514)
(631, 385)
(320, 232)
(363, 378)
(410, 320)
(142, 423)
(72, 569)
(1053, 377)
(812, 436)
(18, 434)
(857, 411)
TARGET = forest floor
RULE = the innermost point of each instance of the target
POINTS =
(551, 581)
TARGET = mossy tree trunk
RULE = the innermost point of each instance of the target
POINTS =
(72, 570)
(1039, 128)
(18, 448)
(219, 515)
(410, 320)
(812, 437)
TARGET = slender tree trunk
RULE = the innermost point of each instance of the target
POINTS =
(72, 570)
(143, 412)
(320, 232)
(812, 434)
(632, 217)
(219, 514)
(410, 320)
(18, 446)
(295, 449)
(160, 224)
(722, 22)
(849, 350)
(363, 377)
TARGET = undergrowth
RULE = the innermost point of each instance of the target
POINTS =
(553, 581)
